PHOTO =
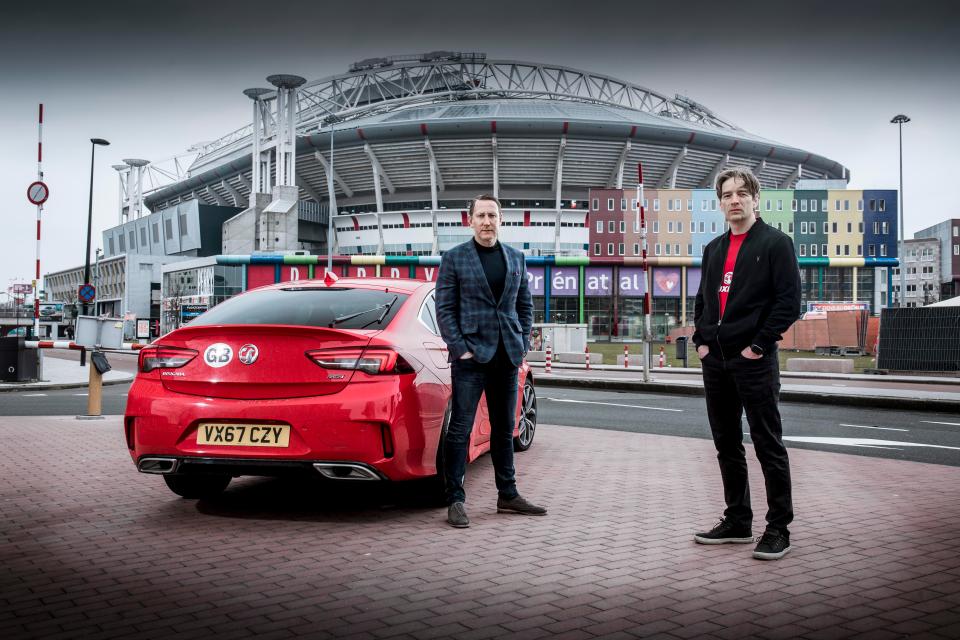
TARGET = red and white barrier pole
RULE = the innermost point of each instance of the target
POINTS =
(661, 357)
(626, 357)
(68, 344)
(548, 360)
(36, 281)
(642, 219)
(586, 355)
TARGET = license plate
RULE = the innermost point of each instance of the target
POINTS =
(244, 435)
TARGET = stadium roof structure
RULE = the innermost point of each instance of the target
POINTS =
(469, 123)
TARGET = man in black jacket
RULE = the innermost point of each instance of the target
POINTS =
(749, 295)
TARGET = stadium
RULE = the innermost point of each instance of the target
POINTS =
(395, 148)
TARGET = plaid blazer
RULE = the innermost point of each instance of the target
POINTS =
(470, 319)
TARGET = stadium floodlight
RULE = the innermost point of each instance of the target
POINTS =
(901, 120)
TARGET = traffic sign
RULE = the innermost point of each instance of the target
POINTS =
(38, 192)
(87, 293)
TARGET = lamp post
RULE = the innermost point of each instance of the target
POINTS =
(86, 256)
(900, 120)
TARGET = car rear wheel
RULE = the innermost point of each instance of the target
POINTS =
(198, 486)
(528, 417)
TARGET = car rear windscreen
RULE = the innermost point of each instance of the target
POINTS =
(310, 307)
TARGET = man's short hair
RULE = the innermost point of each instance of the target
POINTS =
(473, 203)
(749, 180)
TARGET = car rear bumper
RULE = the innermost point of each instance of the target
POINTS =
(332, 469)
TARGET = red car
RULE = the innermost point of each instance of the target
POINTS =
(349, 380)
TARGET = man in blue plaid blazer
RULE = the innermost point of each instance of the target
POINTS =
(485, 314)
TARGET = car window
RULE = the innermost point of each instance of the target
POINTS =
(427, 315)
(309, 307)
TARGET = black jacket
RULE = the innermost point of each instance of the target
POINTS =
(764, 299)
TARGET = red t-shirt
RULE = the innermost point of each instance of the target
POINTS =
(735, 242)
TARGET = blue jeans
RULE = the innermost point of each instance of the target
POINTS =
(498, 379)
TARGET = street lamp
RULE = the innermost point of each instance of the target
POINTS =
(900, 120)
(86, 256)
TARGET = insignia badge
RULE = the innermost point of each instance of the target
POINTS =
(218, 355)
(248, 354)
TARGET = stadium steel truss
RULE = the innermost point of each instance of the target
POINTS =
(440, 127)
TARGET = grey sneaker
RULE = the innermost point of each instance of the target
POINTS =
(457, 516)
(519, 505)
(773, 545)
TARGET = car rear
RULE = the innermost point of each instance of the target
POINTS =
(284, 379)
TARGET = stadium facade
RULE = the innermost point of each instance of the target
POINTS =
(397, 146)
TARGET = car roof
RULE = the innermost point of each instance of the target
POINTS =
(394, 284)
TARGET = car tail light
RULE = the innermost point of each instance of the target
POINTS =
(161, 357)
(370, 361)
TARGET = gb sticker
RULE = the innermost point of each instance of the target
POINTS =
(218, 355)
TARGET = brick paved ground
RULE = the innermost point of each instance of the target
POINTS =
(90, 548)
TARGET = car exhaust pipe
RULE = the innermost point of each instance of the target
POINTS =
(345, 471)
(157, 465)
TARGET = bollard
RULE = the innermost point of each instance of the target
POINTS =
(661, 357)
(626, 357)
(94, 392)
(548, 357)
(586, 355)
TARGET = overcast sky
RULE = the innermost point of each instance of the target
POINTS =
(155, 78)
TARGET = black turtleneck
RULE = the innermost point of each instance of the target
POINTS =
(494, 267)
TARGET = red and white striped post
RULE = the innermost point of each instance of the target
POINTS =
(36, 281)
(661, 357)
(626, 357)
(586, 356)
(642, 219)
(548, 357)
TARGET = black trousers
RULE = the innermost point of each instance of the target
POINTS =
(734, 387)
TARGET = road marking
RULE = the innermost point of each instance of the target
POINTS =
(952, 424)
(863, 426)
(80, 394)
(34, 395)
(863, 442)
(612, 404)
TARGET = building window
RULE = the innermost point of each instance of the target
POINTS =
(620, 249)
(846, 205)
(636, 249)
(713, 226)
(596, 249)
(813, 250)
(670, 226)
(803, 226)
(155, 229)
(702, 226)
(803, 206)
(633, 204)
(666, 247)
(112, 250)
(143, 236)
(623, 204)
(599, 226)
(859, 250)
(689, 249)
(623, 226)
(123, 243)
(133, 240)
(834, 227)
(656, 204)
(803, 250)
(883, 204)
(676, 249)
(873, 204)
(779, 205)
(636, 226)
(836, 205)
(766, 205)
(610, 249)
(789, 227)
(656, 225)
(596, 204)
(689, 205)
(825, 228)
(703, 205)
(823, 249)
(860, 226)
(956, 232)
(611, 226)
(884, 228)
(793, 207)
(956, 249)
(883, 250)
(670, 205)
(849, 227)
(679, 226)
(656, 249)
(609, 204)
(813, 205)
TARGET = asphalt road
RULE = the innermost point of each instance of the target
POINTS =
(903, 435)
